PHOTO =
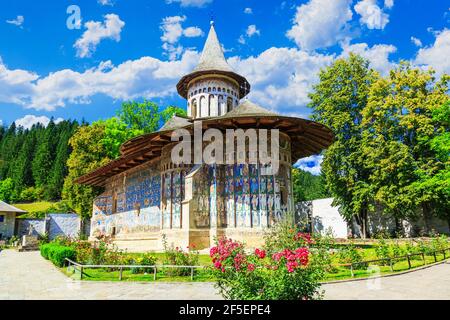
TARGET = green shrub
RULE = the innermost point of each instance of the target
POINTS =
(179, 257)
(57, 254)
(351, 254)
(285, 270)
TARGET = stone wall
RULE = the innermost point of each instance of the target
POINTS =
(7, 226)
(39, 226)
(321, 216)
(55, 224)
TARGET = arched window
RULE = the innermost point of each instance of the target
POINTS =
(212, 106)
(209, 89)
(221, 103)
(194, 109)
(214, 89)
(218, 89)
(203, 107)
(229, 104)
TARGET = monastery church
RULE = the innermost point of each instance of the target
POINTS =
(147, 196)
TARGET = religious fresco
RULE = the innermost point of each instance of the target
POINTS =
(201, 195)
(137, 205)
(177, 196)
(166, 202)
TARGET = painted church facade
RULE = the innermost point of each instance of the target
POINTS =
(146, 195)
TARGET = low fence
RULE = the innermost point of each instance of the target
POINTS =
(391, 261)
(122, 267)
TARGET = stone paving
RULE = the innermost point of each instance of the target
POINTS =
(25, 275)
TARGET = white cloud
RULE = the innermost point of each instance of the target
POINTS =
(173, 31)
(310, 164)
(388, 4)
(96, 32)
(190, 3)
(281, 77)
(252, 30)
(436, 55)
(378, 55)
(248, 11)
(416, 41)
(145, 77)
(29, 120)
(249, 32)
(105, 2)
(192, 32)
(15, 85)
(371, 14)
(320, 23)
(18, 21)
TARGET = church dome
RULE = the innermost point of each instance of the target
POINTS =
(212, 62)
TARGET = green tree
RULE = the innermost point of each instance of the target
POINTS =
(116, 133)
(170, 111)
(337, 102)
(88, 153)
(308, 186)
(401, 132)
(143, 116)
(7, 190)
(45, 155)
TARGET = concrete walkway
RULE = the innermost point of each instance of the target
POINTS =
(26, 275)
(432, 283)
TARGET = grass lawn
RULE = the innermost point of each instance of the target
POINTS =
(34, 207)
(338, 272)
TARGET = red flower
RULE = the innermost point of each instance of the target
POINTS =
(260, 253)
(251, 267)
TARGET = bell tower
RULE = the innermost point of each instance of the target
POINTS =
(213, 88)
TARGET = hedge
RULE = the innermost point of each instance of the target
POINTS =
(57, 253)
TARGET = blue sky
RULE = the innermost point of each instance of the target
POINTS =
(133, 49)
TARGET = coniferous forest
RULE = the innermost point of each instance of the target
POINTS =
(33, 161)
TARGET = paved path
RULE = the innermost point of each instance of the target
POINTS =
(431, 283)
(28, 276)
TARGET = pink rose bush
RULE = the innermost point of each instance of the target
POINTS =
(283, 274)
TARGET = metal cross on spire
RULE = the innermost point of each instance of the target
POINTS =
(212, 18)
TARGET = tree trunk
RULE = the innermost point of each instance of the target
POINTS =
(361, 220)
(426, 211)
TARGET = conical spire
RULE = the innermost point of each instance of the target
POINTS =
(212, 62)
(212, 57)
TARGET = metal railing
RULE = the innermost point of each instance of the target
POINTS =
(392, 259)
(155, 268)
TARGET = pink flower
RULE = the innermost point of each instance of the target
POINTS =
(260, 253)
(217, 265)
(251, 267)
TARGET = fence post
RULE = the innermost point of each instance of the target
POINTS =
(192, 273)
(154, 273)
(409, 261)
(423, 258)
(434, 254)
(81, 273)
(351, 270)
(444, 253)
(120, 273)
(392, 266)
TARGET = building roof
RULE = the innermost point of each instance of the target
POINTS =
(4, 207)
(174, 123)
(212, 62)
(248, 108)
(307, 138)
(212, 57)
